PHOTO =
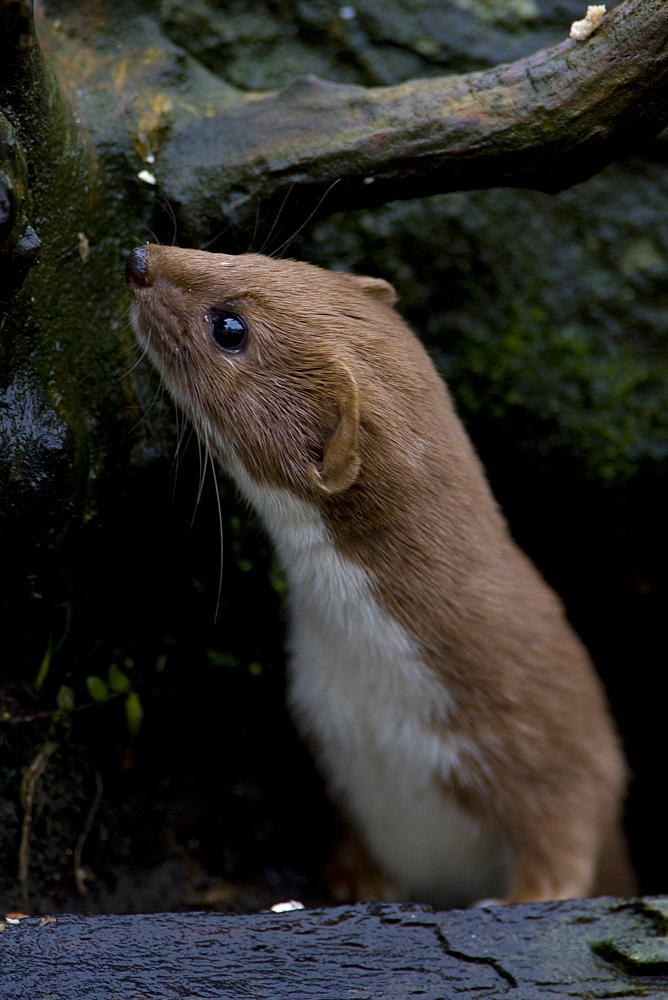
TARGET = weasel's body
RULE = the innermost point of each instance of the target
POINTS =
(453, 712)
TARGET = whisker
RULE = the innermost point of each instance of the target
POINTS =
(220, 532)
(276, 218)
(166, 204)
(286, 243)
(143, 353)
(217, 236)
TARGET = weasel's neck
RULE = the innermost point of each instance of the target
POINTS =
(294, 526)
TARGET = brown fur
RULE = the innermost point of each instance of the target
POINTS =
(335, 400)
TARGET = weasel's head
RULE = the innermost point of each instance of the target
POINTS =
(264, 356)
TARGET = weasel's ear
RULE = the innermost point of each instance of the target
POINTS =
(340, 463)
(375, 288)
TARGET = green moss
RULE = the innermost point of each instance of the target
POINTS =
(582, 389)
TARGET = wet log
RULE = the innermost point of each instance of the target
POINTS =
(581, 948)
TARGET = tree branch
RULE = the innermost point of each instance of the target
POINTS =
(544, 122)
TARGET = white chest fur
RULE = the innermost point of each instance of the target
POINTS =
(379, 714)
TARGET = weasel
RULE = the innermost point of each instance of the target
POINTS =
(454, 714)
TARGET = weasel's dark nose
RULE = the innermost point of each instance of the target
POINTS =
(136, 268)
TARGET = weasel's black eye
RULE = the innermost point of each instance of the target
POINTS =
(229, 331)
